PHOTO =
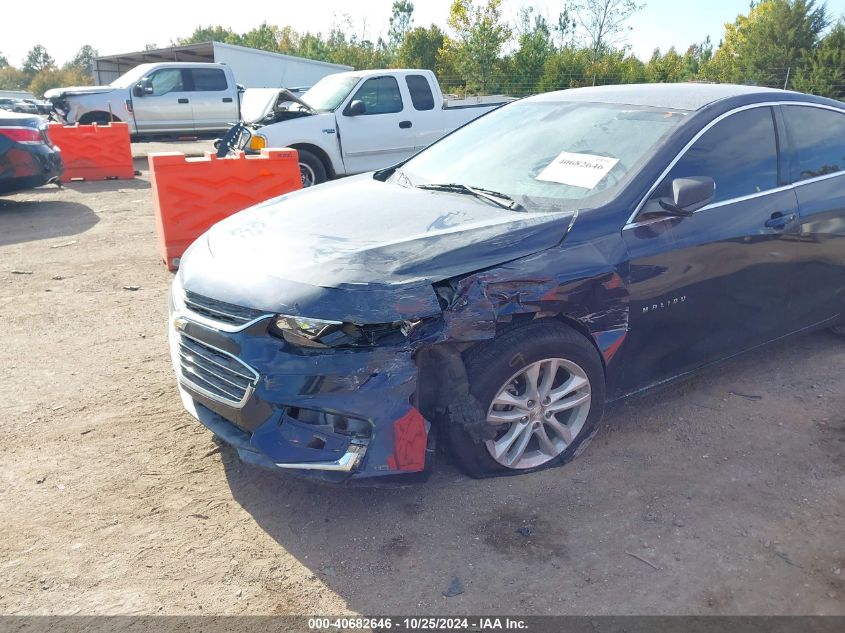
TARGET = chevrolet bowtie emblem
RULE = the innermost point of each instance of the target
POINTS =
(180, 323)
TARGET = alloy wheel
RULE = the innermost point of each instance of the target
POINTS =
(540, 411)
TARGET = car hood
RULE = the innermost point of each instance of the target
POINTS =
(57, 93)
(355, 235)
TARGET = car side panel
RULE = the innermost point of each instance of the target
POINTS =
(821, 278)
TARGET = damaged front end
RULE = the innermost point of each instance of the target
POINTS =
(336, 357)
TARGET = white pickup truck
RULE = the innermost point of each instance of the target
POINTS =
(358, 121)
(165, 98)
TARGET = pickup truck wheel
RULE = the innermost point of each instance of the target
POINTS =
(542, 390)
(311, 169)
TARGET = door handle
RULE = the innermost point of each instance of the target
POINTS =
(227, 99)
(779, 220)
(405, 124)
(183, 100)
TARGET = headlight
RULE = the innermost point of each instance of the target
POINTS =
(257, 142)
(320, 333)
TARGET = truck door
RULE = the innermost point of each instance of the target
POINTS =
(213, 100)
(376, 128)
(428, 116)
(168, 107)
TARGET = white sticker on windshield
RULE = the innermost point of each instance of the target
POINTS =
(577, 170)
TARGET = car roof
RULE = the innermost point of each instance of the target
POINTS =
(7, 117)
(676, 96)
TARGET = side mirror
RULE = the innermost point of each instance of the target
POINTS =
(356, 108)
(689, 195)
(143, 87)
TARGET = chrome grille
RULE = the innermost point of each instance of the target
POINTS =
(220, 310)
(215, 373)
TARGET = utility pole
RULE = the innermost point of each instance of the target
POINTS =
(786, 81)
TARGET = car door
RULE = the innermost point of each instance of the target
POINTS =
(168, 107)
(380, 136)
(817, 167)
(709, 285)
(212, 100)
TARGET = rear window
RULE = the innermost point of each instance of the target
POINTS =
(818, 136)
(420, 91)
(208, 79)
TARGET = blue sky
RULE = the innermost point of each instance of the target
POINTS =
(662, 23)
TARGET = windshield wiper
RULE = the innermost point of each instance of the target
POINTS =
(499, 199)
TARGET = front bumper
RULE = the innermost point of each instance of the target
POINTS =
(266, 410)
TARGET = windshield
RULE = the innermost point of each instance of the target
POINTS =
(546, 156)
(328, 93)
(130, 78)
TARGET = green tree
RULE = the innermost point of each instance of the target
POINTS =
(668, 68)
(824, 74)
(401, 19)
(775, 37)
(696, 58)
(12, 79)
(534, 47)
(604, 22)
(565, 29)
(84, 60)
(264, 37)
(3, 61)
(480, 34)
(421, 47)
(37, 59)
(566, 69)
(48, 78)
(211, 34)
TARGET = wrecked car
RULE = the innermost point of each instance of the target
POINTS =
(496, 290)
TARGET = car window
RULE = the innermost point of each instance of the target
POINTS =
(166, 80)
(420, 91)
(380, 95)
(208, 79)
(818, 139)
(547, 155)
(739, 153)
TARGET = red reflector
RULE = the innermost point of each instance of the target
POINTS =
(22, 134)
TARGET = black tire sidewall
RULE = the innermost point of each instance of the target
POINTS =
(491, 364)
(315, 164)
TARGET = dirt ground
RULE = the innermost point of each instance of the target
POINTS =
(722, 495)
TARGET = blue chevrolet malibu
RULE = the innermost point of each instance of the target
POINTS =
(496, 290)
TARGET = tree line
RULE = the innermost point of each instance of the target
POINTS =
(777, 43)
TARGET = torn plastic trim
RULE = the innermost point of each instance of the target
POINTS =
(347, 463)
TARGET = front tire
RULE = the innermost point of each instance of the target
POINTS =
(311, 169)
(542, 389)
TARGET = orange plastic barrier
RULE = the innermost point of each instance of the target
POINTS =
(94, 152)
(192, 194)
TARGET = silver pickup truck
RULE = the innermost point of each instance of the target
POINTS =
(165, 98)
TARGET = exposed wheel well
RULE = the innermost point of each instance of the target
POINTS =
(442, 367)
(527, 318)
(97, 116)
(319, 153)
